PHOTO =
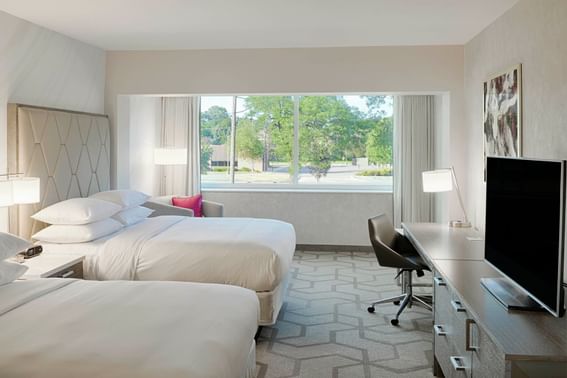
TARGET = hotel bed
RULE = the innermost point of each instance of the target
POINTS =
(76, 328)
(252, 253)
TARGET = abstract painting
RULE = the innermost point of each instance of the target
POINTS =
(502, 113)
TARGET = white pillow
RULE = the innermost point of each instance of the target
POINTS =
(77, 211)
(10, 271)
(64, 234)
(11, 245)
(132, 216)
(127, 199)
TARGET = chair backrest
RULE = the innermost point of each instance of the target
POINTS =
(384, 238)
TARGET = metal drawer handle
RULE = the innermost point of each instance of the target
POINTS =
(68, 274)
(439, 281)
(468, 339)
(439, 330)
(458, 306)
(457, 362)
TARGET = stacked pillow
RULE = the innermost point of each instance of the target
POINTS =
(130, 202)
(77, 220)
(80, 220)
(10, 246)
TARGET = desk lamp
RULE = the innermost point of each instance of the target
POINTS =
(443, 180)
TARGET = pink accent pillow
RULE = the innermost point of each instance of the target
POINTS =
(194, 203)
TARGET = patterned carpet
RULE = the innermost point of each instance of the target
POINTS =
(324, 329)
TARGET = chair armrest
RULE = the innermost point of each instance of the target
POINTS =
(166, 200)
(163, 209)
(213, 209)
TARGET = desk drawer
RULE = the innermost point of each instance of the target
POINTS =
(441, 301)
(449, 329)
(459, 327)
(451, 363)
(487, 359)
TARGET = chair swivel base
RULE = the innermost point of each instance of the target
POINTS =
(406, 299)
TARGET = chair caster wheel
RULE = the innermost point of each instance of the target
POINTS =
(397, 303)
(371, 310)
(394, 322)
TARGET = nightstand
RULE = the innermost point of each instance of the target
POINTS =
(54, 265)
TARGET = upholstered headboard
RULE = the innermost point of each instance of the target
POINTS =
(69, 151)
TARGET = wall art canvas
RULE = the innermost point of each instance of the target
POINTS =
(503, 113)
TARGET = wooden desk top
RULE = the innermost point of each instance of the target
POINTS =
(519, 334)
(435, 241)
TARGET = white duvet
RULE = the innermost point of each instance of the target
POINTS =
(251, 253)
(69, 328)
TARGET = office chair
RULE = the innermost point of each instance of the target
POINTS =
(393, 250)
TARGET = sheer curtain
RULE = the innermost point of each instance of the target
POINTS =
(413, 153)
(179, 128)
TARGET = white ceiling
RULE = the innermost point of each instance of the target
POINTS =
(219, 24)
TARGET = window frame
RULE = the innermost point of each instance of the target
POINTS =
(294, 185)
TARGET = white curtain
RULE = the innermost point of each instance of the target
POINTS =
(413, 153)
(179, 128)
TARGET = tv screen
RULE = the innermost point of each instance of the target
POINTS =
(524, 225)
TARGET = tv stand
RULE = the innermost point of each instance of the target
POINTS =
(509, 295)
(473, 334)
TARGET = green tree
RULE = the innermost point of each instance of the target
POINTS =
(206, 154)
(330, 130)
(379, 143)
(248, 143)
(376, 105)
(274, 116)
(215, 125)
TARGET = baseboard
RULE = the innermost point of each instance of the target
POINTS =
(333, 248)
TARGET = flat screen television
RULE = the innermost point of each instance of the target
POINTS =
(525, 230)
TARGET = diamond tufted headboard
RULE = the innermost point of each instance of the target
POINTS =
(69, 151)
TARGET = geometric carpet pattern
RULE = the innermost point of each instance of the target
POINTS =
(324, 330)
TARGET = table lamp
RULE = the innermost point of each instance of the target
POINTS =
(15, 190)
(443, 180)
(6, 192)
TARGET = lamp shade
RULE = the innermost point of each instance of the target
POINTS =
(6, 193)
(26, 190)
(170, 156)
(440, 180)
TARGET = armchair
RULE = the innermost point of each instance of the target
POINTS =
(162, 206)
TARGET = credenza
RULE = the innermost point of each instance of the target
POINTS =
(473, 334)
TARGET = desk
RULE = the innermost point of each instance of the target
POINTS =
(475, 336)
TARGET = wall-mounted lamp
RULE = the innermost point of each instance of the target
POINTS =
(443, 180)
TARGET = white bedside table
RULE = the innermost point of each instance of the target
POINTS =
(54, 265)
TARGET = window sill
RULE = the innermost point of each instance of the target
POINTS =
(289, 189)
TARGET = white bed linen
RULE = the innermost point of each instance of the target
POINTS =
(69, 328)
(252, 253)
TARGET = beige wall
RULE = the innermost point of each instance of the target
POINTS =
(320, 218)
(532, 33)
(41, 67)
(265, 71)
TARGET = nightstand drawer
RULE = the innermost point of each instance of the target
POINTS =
(49, 265)
(73, 271)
